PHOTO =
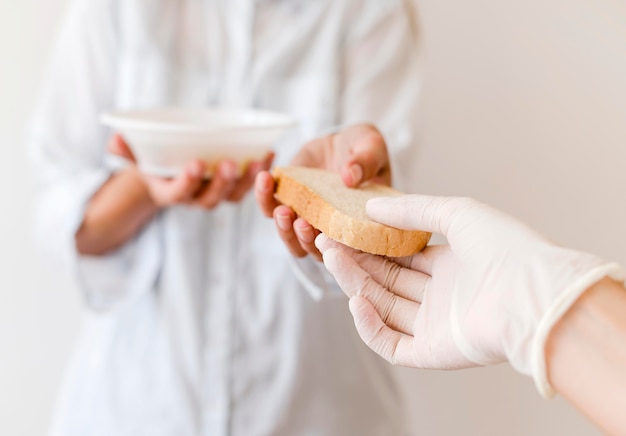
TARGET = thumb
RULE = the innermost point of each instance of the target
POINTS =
(442, 215)
(366, 156)
(119, 147)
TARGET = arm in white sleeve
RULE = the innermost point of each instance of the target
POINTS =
(68, 149)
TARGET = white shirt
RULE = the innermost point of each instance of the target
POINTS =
(202, 324)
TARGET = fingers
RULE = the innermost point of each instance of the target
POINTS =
(390, 344)
(191, 187)
(248, 179)
(399, 279)
(406, 276)
(358, 153)
(306, 234)
(395, 311)
(119, 147)
(425, 260)
(284, 218)
(220, 188)
(323, 243)
(297, 234)
(243, 185)
(443, 215)
(166, 192)
(264, 187)
(367, 155)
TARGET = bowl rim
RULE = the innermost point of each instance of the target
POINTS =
(120, 119)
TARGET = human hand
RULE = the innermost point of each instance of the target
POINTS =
(358, 153)
(491, 295)
(191, 187)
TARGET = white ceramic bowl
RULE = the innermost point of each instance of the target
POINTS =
(164, 140)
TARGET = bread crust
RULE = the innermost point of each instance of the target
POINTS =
(307, 191)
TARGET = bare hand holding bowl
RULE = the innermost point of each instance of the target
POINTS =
(165, 140)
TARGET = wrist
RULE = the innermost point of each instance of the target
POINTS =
(115, 213)
(564, 299)
(586, 354)
(141, 188)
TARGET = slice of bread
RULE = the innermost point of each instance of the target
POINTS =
(321, 198)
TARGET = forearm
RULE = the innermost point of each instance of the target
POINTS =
(586, 355)
(115, 214)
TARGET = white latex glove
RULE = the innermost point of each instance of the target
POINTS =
(491, 296)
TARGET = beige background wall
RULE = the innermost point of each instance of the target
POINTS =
(524, 108)
(39, 311)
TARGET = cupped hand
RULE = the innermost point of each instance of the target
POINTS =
(358, 153)
(190, 187)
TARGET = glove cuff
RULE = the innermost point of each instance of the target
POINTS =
(558, 308)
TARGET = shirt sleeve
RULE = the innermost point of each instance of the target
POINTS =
(68, 145)
(381, 85)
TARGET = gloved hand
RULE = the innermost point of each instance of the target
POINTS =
(492, 295)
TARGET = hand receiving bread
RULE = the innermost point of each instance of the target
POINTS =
(358, 154)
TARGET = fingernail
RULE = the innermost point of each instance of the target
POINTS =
(330, 258)
(266, 183)
(197, 170)
(283, 221)
(320, 242)
(229, 170)
(305, 233)
(254, 168)
(357, 173)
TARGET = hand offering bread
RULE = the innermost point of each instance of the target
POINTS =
(321, 198)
